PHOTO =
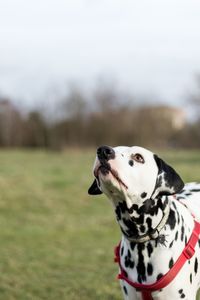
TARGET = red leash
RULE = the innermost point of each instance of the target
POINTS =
(147, 289)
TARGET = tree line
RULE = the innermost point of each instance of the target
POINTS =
(110, 117)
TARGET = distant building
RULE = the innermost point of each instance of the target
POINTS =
(176, 116)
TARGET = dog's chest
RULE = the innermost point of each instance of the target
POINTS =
(148, 262)
(183, 286)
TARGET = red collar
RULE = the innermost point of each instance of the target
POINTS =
(186, 254)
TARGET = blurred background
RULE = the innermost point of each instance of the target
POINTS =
(87, 72)
(76, 74)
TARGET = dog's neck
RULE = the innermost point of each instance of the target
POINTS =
(142, 221)
(141, 257)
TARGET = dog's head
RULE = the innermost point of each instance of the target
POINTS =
(132, 173)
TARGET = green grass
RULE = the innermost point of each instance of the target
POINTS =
(56, 241)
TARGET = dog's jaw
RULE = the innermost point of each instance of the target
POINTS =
(108, 178)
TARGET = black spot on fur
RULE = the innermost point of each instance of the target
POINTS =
(149, 249)
(132, 229)
(127, 261)
(171, 244)
(125, 274)
(182, 232)
(123, 206)
(171, 263)
(133, 245)
(171, 220)
(196, 266)
(133, 208)
(180, 198)
(195, 190)
(178, 218)
(185, 240)
(125, 290)
(148, 207)
(176, 236)
(174, 205)
(182, 295)
(190, 278)
(159, 276)
(141, 270)
(149, 269)
(139, 220)
(149, 223)
(129, 253)
(118, 213)
(122, 251)
(142, 228)
(143, 195)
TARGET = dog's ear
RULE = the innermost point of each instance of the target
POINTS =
(168, 181)
(94, 189)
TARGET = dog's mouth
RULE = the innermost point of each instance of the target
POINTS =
(105, 169)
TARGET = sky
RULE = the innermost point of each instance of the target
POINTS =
(148, 47)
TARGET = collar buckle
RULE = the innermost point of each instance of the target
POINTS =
(189, 251)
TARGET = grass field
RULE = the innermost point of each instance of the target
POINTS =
(56, 241)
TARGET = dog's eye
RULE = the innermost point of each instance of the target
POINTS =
(138, 157)
(131, 162)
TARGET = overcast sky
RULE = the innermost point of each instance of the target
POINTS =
(147, 46)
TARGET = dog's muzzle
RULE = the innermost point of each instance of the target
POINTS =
(104, 154)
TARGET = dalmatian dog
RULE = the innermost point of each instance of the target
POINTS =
(155, 212)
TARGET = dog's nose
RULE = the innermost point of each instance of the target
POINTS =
(105, 153)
